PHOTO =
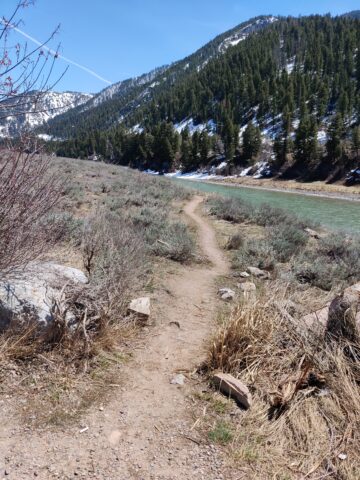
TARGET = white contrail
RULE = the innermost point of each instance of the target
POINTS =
(71, 62)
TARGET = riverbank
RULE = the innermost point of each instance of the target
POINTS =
(291, 186)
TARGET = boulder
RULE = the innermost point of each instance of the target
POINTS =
(33, 290)
(140, 307)
(232, 387)
(341, 316)
(226, 293)
(256, 272)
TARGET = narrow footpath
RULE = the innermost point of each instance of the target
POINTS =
(144, 432)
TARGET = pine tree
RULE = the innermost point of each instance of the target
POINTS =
(356, 140)
(204, 147)
(306, 144)
(334, 146)
(251, 141)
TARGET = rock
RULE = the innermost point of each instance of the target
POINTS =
(226, 293)
(244, 275)
(179, 379)
(319, 317)
(340, 315)
(312, 233)
(234, 388)
(140, 307)
(256, 272)
(33, 290)
(341, 322)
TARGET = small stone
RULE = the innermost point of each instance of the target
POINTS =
(226, 293)
(244, 275)
(256, 272)
(179, 379)
(141, 307)
(234, 388)
(312, 233)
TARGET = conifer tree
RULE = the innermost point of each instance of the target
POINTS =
(335, 134)
(251, 141)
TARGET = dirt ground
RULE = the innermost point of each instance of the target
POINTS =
(145, 430)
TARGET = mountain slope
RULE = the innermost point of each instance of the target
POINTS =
(34, 109)
(115, 103)
(288, 94)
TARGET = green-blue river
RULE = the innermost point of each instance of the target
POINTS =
(334, 213)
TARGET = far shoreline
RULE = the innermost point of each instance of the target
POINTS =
(336, 194)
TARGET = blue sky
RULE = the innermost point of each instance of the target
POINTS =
(119, 39)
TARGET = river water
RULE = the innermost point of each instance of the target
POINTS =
(333, 213)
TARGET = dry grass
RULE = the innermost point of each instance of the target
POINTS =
(306, 409)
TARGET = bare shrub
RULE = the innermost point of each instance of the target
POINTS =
(235, 242)
(86, 317)
(29, 190)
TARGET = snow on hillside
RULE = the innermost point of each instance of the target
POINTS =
(124, 86)
(244, 32)
(34, 110)
(210, 126)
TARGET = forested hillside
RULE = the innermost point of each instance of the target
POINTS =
(287, 93)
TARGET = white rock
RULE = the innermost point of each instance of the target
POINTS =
(312, 233)
(34, 289)
(226, 293)
(140, 306)
(179, 379)
(234, 388)
(244, 274)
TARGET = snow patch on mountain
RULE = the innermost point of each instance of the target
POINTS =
(244, 32)
(34, 109)
(209, 126)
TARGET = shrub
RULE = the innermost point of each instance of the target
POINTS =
(230, 209)
(29, 190)
(235, 242)
(286, 240)
(334, 263)
(266, 215)
(255, 253)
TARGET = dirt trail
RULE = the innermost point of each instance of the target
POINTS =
(142, 433)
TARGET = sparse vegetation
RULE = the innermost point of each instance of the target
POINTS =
(303, 385)
(303, 390)
(114, 234)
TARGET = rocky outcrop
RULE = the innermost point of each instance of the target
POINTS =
(32, 291)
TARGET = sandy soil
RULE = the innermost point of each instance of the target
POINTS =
(144, 432)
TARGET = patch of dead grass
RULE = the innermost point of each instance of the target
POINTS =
(306, 396)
